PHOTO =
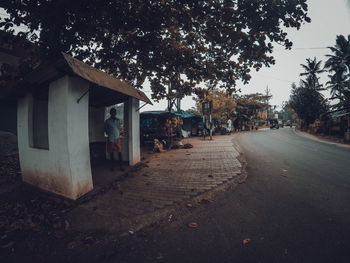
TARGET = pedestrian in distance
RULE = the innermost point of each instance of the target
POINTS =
(229, 125)
(112, 129)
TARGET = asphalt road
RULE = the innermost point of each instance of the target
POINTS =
(294, 207)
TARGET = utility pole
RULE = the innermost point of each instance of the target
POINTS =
(173, 99)
(267, 92)
(169, 97)
(178, 104)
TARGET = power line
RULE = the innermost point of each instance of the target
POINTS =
(301, 48)
(284, 80)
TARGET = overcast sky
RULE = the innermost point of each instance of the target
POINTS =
(329, 19)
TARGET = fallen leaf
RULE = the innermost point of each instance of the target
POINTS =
(205, 201)
(74, 244)
(246, 241)
(192, 225)
(9, 244)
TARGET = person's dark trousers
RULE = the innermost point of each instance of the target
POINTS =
(120, 161)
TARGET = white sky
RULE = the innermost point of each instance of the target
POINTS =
(329, 19)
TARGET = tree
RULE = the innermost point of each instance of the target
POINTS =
(310, 83)
(249, 105)
(338, 64)
(312, 69)
(182, 43)
(223, 104)
(307, 103)
(287, 112)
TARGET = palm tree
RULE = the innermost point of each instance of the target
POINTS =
(310, 83)
(336, 84)
(312, 69)
(338, 64)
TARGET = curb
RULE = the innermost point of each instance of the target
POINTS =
(315, 138)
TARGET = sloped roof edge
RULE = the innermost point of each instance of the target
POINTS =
(103, 79)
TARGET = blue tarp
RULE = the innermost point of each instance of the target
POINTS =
(185, 114)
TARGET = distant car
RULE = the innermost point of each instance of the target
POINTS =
(281, 123)
(274, 124)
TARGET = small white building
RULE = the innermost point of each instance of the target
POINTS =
(60, 112)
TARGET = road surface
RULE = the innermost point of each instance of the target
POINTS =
(294, 207)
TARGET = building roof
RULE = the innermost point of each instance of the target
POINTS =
(102, 79)
(104, 89)
(186, 114)
(157, 113)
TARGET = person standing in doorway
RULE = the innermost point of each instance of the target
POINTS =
(112, 129)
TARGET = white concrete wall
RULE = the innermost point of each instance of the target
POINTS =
(9, 59)
(96, 124)
(65, 167)
(132, 126)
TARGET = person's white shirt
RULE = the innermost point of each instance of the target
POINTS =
(229, 125)
(112, 127)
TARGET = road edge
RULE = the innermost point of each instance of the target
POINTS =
(315, 138)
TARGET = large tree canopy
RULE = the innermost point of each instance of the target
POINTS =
(182, 42)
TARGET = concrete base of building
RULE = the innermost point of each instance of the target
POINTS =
(347, 136)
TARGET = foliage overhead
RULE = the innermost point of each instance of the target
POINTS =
(165, 41)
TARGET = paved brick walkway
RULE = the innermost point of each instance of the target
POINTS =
(171, 177)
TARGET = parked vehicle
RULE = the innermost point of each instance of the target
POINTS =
(281, 123)
(274, 124)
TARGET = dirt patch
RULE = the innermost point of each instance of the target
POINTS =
(8, 144)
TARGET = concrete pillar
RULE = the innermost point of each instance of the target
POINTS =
(132, 124)
(63, 168)
(347, 133)
(347, 136)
